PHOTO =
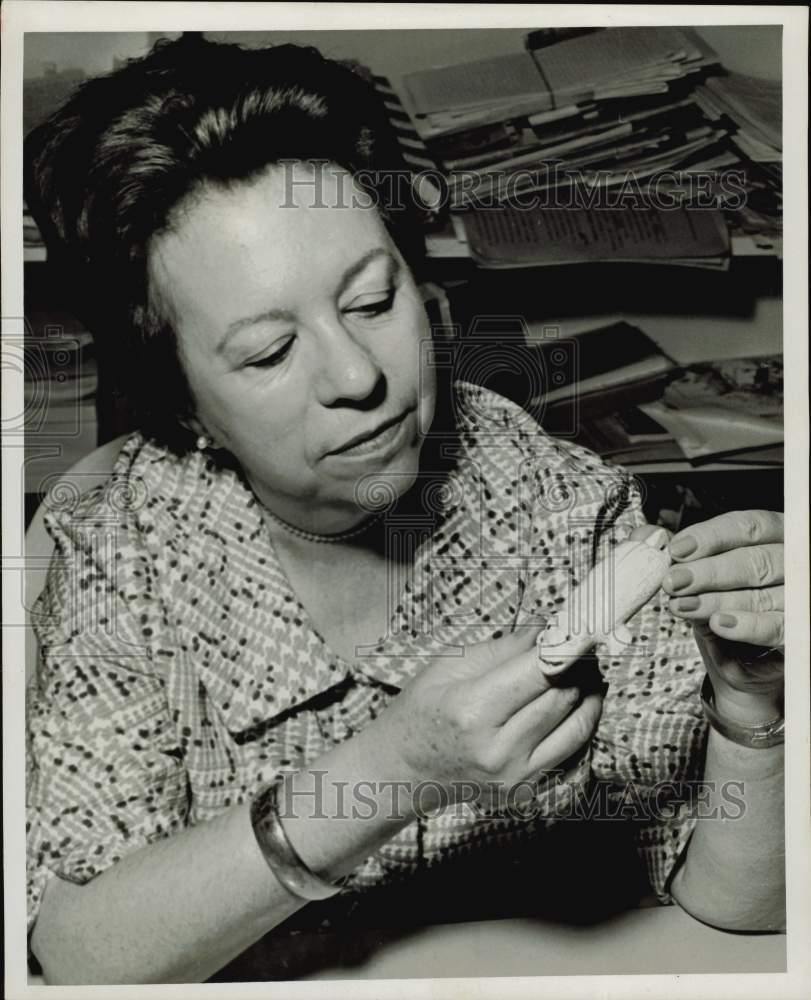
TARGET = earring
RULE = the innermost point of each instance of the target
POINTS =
(203, 442)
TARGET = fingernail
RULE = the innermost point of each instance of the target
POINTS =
(679, 578)
(657, 539)
(551, 658)
(683, 547)
(553, 635)
(727, 621)
(687, 604)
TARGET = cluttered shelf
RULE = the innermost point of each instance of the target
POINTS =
(628, 158)
(589, 144)
(618, 144)
(631, 147)
(690, 404)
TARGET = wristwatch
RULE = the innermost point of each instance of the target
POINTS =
(758, 736)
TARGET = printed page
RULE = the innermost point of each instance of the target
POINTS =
(515, 237)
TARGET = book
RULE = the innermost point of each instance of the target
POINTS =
(629, 437)
(508, 236)
(598, 371)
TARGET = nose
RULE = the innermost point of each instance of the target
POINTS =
(348, 373)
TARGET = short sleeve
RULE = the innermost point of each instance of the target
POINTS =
(105, 772)
(650, 743)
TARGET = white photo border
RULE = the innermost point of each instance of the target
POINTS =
(18, 17)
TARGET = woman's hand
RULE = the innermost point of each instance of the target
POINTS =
(728, 582)
(488, 719)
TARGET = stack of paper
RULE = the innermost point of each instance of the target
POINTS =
(722, 409)
(412, 145)
(754, 106)
(614, 63)
(751, 110)
(622, 61)
(599, 106)
(566, 123)
(550, 155)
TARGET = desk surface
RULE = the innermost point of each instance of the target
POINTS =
(654, 941)
(658, 940)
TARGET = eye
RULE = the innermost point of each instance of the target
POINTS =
(375, 307)
(271, 360)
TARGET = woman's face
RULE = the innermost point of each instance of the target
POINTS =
(299, 329)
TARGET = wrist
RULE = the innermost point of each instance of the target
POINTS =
(383, 775)
(395, 777)
(758, 726)
(746, 707)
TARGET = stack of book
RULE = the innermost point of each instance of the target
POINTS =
(544, 152)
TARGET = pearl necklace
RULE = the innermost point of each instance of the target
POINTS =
(312, 536)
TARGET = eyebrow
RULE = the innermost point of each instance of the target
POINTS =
(268, 315)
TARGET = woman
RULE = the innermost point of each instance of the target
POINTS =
(332, 566)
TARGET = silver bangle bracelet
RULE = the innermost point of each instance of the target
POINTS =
(762, 735)
(279, 853)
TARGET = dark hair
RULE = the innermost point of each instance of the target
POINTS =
(104, 173)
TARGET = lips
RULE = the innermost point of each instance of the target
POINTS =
(369, 440)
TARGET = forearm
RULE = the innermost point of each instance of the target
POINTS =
(733, 875)
(180, 909)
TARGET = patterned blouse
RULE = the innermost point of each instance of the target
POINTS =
(179, 672)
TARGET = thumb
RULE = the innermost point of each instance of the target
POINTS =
(709, 645)
(643, 531)
(558, 649)
(483, 656)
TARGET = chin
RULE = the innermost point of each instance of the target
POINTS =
(381, 488)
